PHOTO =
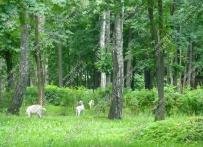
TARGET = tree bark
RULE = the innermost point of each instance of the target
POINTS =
(102, 46)
(129, 63)
(23, 77)
(156, 36)
(189, 75)
(148, 78)
(160, 110)
(115, 111)
(108, 41)
(60, 69)
(38, 57)
(129, 73)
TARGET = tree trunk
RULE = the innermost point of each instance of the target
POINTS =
(60, 70)
(23, 77)
(155, 36)
(115, 111)
(102, 46)
(38, 57)
(108, 41)
(9, 65)
(180, 73)
(148, 78)
(129, 63)
(129, 73)
(189, 75)
(160, 110)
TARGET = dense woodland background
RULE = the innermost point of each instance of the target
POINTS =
(141, 61)
(136, 44)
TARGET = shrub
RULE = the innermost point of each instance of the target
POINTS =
(192, 102)
(172, 130)
(31, 96)
(140, 100)
(60, 96)
(173, 100)
(5, 101)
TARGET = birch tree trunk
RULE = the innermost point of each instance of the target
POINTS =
(39, 20)
(108, 41)
(129, 71)
(129, 63)
(115, 111)
(102, 46)
(23, 77)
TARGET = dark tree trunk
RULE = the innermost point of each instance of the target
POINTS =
(60, 69)
(189, 75)
(156, 36)
(23, 77)
(9, 65)
(148, 78)
(115, 111)
(38, 58)
(160, 110)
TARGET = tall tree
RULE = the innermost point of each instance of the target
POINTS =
(115, 111)
(108, 41)
(39, 27)
(60, 69)
(160, 110)
(23, 76)
(156, 38)
(102, 44)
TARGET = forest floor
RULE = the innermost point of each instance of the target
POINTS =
(86, 130)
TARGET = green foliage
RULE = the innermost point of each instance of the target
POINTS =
(104, 64)
(140, 100)
(192, 102)
(173, 100)
(5, 101)
(179, 131)
(138, 81)
(31, 96)
(60, 96)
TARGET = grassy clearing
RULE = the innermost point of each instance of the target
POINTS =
(87, 130)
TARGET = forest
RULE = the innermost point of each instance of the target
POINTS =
(101, 73)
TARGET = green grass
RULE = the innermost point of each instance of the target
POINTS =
(88, 130)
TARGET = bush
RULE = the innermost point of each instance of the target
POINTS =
(5, 101)
(179, 131)
(173, 100)
(60, 96)
(31, 96)
(192, 102)
(140, 100)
